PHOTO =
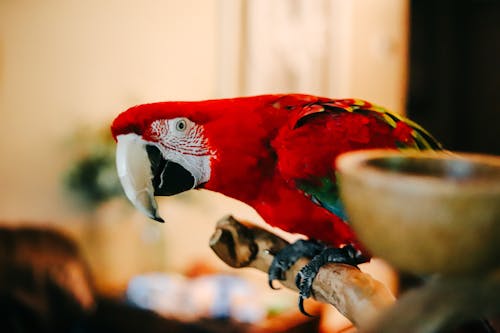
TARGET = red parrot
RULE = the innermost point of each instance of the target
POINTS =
(276, 153)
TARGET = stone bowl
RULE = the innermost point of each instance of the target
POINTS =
(425, 212)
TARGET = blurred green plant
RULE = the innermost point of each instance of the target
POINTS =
(92, 178)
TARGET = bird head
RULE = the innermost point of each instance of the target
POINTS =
(161, 150)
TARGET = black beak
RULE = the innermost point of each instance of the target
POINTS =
(169, 178)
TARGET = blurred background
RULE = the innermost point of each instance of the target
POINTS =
(67, 68)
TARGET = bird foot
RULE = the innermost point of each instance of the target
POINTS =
(305, 278)
(285, 258)
(320, 255)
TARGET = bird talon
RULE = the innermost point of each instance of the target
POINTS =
(305, 281)
(276, 272)
(298, 279)
(301, 307)
(305, 277)
(285, 258)
(271, 284)
(319, 255)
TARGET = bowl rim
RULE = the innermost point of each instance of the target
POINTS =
(353, 164)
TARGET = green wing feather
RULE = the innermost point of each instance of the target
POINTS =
(325, 192)
(423, 139)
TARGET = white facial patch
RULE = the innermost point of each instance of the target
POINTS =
(182, 141)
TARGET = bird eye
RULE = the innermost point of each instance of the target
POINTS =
(181, 125)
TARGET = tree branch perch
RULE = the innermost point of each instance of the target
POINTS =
(355, 294)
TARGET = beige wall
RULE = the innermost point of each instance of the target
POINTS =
(379, 53)
(66, 63)
(336, 48)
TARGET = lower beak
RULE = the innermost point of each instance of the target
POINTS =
(144, 173)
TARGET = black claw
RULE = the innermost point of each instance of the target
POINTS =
(298, 279)
(277, 271)
(301, 307)
(271, 285)
(271, 278)
(306, 276)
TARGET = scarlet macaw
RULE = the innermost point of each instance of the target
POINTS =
(276, 153)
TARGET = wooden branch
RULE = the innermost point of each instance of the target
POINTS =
(355, 294)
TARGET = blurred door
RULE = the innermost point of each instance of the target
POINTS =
(454, 81)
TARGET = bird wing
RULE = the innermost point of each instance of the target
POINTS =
(321, 129)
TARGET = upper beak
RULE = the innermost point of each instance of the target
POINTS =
(144, 173)
(134, 170)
